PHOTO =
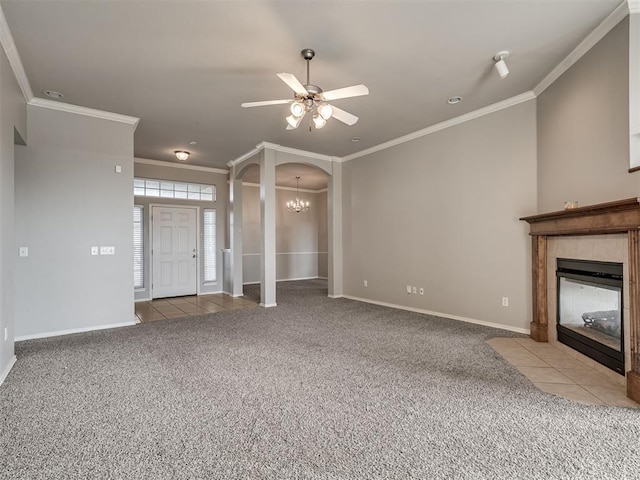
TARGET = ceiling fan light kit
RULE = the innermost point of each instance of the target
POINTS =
(311, 98)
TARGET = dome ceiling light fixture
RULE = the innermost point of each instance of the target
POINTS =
(311, 99)
(500, 64)
(182, 155)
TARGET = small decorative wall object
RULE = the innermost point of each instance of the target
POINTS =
(570, 205)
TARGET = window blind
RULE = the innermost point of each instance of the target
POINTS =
(138, 247)
(209, 234)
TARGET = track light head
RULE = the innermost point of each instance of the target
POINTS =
(500, 64)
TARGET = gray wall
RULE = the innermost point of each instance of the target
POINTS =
(220, 205)
(583, 129)
(69, 198)
(300, 251)
(441, 212)
(13, 115)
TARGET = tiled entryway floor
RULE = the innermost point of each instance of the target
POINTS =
(180, 307)
(555, 371)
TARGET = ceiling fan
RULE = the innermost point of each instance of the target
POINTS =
(311, 98)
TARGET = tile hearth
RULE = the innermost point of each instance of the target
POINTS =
(554, 371)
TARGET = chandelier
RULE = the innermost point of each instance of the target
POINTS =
(298, 205)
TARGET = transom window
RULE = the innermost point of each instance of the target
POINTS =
(148, 187)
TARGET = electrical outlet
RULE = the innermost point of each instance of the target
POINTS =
(421, 291)
(408, 288)
(505, 301)
(414, 289)
(366, 284)
(6, 333)
(24, 251)
(107, 250)
(94, 250)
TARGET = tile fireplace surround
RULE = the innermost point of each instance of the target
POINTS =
(607, 232)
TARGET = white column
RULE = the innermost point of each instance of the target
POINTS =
(334, 227)
(268, 228)
(235, 232)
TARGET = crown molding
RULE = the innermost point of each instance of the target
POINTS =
(245, 156)
(279, 148)
(496, 107)
(88, 112)
(291, 189)
(160, 163)
(295, 151)
(9, 46)
(587, 44)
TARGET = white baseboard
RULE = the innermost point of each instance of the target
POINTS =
(295, 279)
(268, 305)
(217, 292)
(5, 372)
(337, 296)
(74, 330)
(288, 280)
(525, 331)
(142, 300)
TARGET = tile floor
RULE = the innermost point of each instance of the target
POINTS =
(563, 372)
(179, 307)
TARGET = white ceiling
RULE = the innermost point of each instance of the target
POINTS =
(184, 67)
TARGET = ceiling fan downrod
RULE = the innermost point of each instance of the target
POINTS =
(308, 55)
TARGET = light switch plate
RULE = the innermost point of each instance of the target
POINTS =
(24, 251)
(107, 250)
(94, 250)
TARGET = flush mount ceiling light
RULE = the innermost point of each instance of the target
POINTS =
(298, 205)
(182, 155)
(501, 66)
(311, 98)
(53, 94)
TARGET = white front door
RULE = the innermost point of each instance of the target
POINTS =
(174, 251)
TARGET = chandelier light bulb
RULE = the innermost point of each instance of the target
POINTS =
(325, 110)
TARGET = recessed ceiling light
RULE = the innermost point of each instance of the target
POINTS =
(355, 139)
(53, 94)
(193, 142)
(454, 100)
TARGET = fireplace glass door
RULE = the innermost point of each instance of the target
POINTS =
(590, 310)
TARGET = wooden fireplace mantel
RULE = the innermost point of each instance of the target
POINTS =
(612, 217)
(622, 216)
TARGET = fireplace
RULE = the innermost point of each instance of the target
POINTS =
(590, 310)
(620, 221)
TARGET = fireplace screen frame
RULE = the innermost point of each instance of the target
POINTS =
(598, 274)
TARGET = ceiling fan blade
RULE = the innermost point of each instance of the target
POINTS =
(291, 80)
(344, 117)
(266, 102)
(346, 92)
